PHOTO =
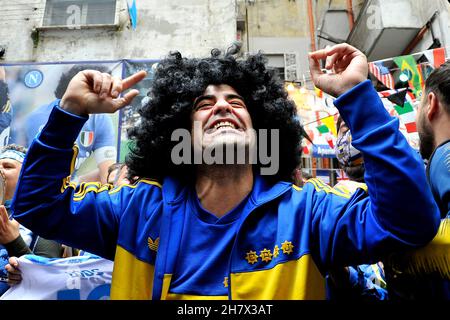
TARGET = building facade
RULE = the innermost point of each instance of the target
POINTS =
(67, 30)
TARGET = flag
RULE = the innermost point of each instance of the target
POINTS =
(319, 93)
(330, 140)
(407, 64)
(323, 129)
(132, 10)
(382, 73)
(305, 150)
(408, 116)
(398, 98)
(436, 57)
(329, 122)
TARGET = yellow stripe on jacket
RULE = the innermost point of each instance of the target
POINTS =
(132, 278)
(293, 280)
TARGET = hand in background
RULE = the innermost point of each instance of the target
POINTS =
(9, 229)
(14, 274)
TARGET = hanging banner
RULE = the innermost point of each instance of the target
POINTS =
(31, 87)
(129, 116)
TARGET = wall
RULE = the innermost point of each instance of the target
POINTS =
(282, 26)
(192, 27)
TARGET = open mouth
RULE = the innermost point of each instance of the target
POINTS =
(224, 124)
(227, 124)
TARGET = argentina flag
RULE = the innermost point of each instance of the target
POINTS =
(132, 10)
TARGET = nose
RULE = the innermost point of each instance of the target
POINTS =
(222, 106)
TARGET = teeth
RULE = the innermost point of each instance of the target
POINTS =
(224, 124)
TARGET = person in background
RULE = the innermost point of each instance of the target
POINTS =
(433, 126)
(95, 139)
(15, 239)
(300, 176)
(117, 174)
(363, 282)
(5, 109)
(425, 273)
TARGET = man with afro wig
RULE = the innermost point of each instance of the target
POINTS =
(213, 230)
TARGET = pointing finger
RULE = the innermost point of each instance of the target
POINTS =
(133, 79)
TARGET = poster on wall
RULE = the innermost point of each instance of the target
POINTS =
(28, 90)
(129, 115)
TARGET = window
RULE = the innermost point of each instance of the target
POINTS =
(285, 64)
(276, 62)
(79, 12)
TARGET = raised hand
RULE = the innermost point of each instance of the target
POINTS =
(9, 229)
(348, 68)
(91, 91)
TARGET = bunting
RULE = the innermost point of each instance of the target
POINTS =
(382, 74)
(436, 57)
(408, 116)
(398, 98)
(330, 124)
(408, 65)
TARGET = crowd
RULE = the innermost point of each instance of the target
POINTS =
(219, 231)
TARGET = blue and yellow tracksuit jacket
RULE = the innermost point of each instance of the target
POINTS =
(287, 237)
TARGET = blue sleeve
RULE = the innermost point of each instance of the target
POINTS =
(439, 177)
(397, 213)
(104, 132)
(84, 216)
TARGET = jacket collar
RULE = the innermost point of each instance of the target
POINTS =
(262, 191)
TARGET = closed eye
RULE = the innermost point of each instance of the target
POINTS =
(204, 106)
(237, 102)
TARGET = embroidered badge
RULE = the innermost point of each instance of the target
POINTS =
(86, 138)
(266, 255)
(276, 251)
(225, 282)
(287, 247)
(251, 257)
(153, 245)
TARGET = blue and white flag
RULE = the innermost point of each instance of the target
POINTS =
(132, 10)
(85, 277)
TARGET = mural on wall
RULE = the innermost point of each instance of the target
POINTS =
(29, 90)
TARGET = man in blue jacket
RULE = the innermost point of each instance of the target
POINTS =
(433, 125)
(200, 229)
(425, 273)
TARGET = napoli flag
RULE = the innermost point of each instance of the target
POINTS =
(132, 10)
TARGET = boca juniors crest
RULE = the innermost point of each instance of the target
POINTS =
(86, 138)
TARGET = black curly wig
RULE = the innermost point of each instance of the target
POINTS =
(178, 81)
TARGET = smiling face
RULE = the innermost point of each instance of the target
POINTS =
(220, 117)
